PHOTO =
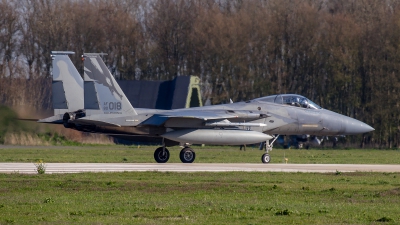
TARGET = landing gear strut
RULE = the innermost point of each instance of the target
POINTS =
(265, 158)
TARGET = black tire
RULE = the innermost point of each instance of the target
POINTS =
(161, 156)
(265, 158)
(187, 155)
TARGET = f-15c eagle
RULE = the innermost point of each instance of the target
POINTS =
(104, 108)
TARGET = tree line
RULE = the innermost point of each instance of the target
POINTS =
(342, 54)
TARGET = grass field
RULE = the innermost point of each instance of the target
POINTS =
(198, 198)
(207, 154)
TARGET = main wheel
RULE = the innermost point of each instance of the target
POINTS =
(265, 158)
(160, 155)
(187, 155)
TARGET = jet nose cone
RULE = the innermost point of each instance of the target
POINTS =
(353, 126)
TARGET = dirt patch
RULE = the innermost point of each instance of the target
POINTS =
(393, 192)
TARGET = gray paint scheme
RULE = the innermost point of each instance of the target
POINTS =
(90, 96)
(59, 98)
(67, 87)
(259, 119)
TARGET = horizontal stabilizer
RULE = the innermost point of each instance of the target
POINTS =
(26, 119)
(57, 119)
(83, 121)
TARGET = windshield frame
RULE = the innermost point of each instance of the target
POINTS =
(291, 100)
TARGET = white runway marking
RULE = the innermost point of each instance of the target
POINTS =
(29, 168)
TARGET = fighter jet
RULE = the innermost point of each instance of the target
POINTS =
(107, 110)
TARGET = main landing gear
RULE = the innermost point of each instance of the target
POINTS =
(161, 155)
(265, 158)
(187, 155)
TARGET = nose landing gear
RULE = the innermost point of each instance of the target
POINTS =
(265, 158)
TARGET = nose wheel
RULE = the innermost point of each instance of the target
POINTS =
(265, 158)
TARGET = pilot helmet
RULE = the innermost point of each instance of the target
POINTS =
(304, 103)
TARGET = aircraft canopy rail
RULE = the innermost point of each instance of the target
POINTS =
(290, 99)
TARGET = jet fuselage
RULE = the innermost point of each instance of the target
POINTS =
(279, 119)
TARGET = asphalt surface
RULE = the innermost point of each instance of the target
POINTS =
(29, 168)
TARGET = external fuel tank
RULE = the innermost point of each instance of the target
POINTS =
(217, 136)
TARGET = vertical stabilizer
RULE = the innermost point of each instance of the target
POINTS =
(102, 93)
(67, 84)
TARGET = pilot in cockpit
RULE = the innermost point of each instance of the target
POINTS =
(294, 101)
(297, 102)
(304, 103)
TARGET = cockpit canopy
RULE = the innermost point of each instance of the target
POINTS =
(290, 99)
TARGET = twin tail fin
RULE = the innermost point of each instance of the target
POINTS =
(102, 93)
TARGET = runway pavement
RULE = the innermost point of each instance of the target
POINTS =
(29, 168)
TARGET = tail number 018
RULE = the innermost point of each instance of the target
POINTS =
(112, 106)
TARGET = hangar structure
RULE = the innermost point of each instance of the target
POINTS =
(181, 92)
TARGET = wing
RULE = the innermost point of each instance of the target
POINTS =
(220, 118)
